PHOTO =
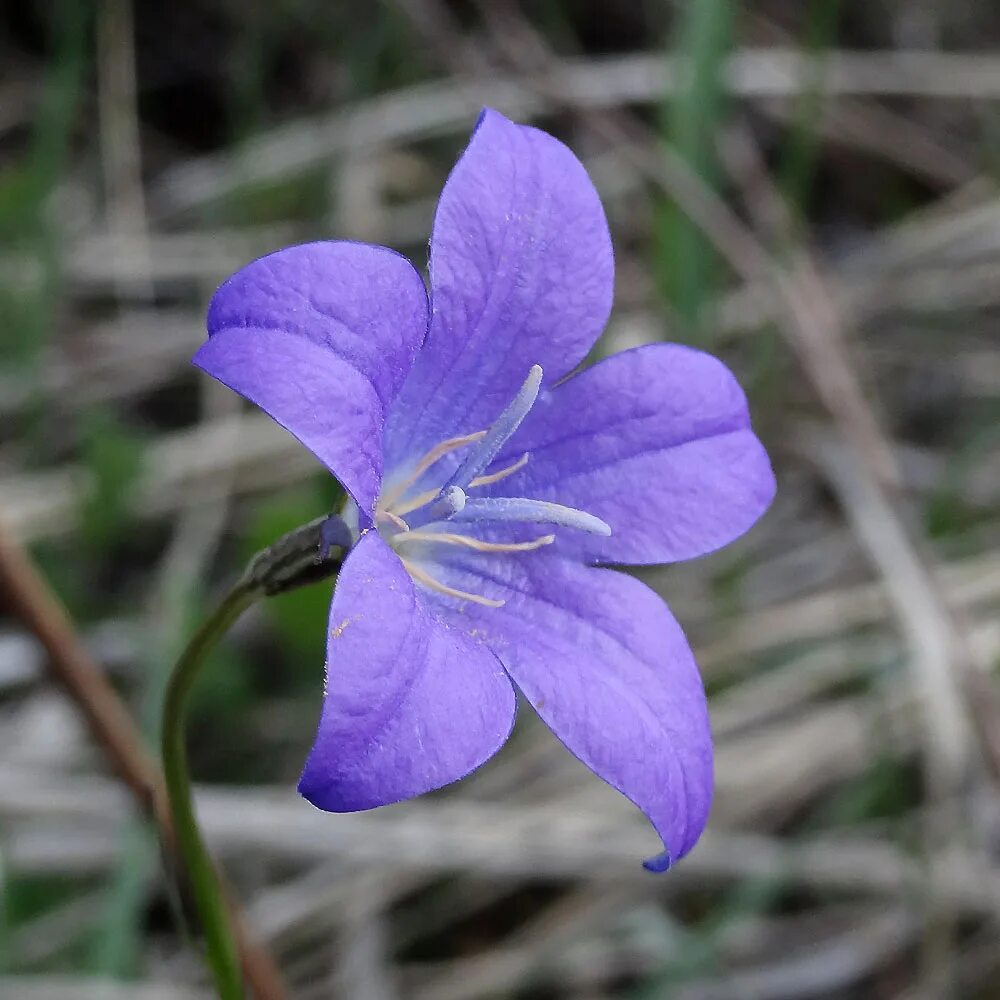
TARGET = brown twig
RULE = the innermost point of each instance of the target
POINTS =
(33, 602)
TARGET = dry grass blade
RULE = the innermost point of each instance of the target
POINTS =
(845, 209)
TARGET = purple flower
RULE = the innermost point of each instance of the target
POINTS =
(488, 486)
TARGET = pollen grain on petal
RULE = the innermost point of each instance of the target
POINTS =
(338, 631)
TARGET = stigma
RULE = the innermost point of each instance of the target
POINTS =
(419, 523)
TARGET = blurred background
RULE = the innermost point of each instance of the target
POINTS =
(807, 188)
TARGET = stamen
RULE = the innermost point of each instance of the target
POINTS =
(495, 477)
(533, 511)
(445, 505)
(449, 538)
(438, 451)
(495, 438)
(442, 588)
(417, 502)
(388, 515)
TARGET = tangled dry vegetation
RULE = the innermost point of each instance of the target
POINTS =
(850, 642)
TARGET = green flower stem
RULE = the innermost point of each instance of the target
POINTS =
(209, 899)
(303, 556)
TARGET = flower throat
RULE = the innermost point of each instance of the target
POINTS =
(439, 516)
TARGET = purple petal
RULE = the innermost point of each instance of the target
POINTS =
(321, 336)
(521, 274)
(655, 441)
(411, 703)
(607, 667)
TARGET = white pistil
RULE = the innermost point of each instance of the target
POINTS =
(530, 511)
(438, 451)
(442, 588)
(449, 538)
(476, 461)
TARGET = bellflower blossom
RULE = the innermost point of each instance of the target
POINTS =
(488, 487)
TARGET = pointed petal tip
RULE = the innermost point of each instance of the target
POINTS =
(317, 791)
(659, 864)
(484, 113)
(331, 796)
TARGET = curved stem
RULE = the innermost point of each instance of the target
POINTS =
(209, 898)
(306, 555)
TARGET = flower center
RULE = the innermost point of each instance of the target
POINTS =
(413, 520)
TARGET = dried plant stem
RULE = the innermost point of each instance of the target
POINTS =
(32, 601)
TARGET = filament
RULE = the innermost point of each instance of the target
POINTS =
(395, 519)
(416, 502)
(449, 538)
(495, 477)
(442, 588)
(438, 451)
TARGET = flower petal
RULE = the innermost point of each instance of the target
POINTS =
(321, 336)
(411, 702)
(521, 274)
(655, 441)
(606, 666)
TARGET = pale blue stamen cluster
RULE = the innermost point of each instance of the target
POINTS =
(453, 504)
